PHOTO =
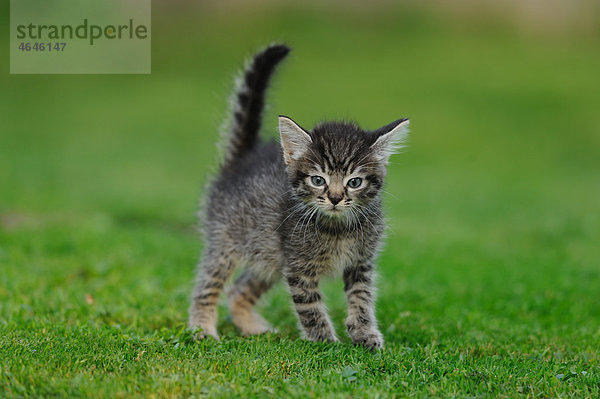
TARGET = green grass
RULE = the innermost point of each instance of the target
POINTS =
(490, 280)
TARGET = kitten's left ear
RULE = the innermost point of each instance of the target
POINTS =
(391, 138)
(294, 139)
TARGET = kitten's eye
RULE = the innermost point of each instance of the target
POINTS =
(355, 182)
(317, 180)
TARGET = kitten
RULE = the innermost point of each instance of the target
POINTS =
(298, 211)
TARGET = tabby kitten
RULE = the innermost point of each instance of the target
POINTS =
(300, 211)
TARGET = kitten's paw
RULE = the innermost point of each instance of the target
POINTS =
(370, 339)
(258, 329)
(316, 337)
(201, 334)
(250, 322)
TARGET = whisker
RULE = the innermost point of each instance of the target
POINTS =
(301, 221)
(297, 222)
(308, 222)
(387, 192)
(317, 230)
(366, 217)
(370, 211)
(298, 208)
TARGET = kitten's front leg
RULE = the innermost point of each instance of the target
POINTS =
(310, 309)
(361, 321)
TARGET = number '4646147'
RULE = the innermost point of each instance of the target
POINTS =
(42, 46)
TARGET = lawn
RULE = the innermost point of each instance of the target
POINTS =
(489, 285)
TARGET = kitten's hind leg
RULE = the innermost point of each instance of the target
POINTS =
(243, 295)
(214, 270)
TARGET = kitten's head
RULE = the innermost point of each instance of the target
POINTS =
(338, 166)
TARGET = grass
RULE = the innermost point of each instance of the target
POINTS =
(490, 280)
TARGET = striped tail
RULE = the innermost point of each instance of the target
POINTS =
(249, 100)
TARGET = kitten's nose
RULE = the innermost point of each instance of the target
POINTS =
(334, 198)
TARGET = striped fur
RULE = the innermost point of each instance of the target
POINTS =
(266, 212)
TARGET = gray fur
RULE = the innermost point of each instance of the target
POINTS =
(264, 213)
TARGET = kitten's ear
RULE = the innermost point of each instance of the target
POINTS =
(294, 139)
(390, 139)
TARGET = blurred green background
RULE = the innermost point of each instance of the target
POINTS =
(493, 207)
(514, 110)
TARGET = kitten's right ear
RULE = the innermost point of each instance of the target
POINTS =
(390, 138)
(294, 139)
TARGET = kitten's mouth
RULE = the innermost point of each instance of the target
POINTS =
(334, 211)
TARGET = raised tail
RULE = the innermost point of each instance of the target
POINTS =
(248, 101)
